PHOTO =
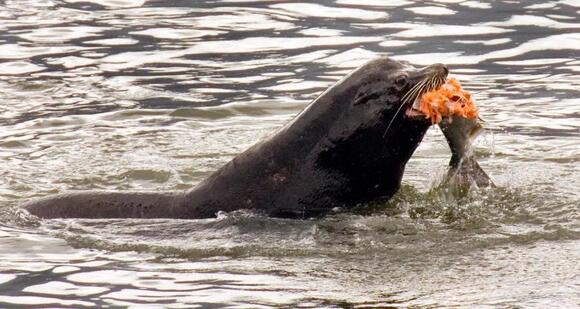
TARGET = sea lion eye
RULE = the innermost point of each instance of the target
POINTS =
(401, 81)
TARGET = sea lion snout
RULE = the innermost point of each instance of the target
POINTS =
(428, 78)
(438, 70)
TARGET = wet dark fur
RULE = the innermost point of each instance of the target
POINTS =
(333, 154)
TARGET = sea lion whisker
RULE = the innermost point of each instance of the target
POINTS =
(422, 89)
(412, 93)
(417, 86)
(393, 119)
(408, 97)
(409, 93)
(428, 86)
(433, 84)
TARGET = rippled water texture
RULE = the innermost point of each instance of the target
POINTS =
(155, 95)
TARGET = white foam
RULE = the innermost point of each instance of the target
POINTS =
(485, 42)
(112, 3)
(65, 269)
(373, 3)
(449, 30)
(349, 59)
(395, 43)
(317, 10)
(34, 300)
(321, 32)
(431, 10)
(177, 34)
(530, 62)
(60, 34)
(18, 67)
(72, 61)
(476, 4)
(114, 42)
(531, 20)
(540, 6)
(249, 45)
(297, 86)
(6, 278)
(64, 288)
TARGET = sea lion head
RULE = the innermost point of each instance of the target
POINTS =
(376, 129)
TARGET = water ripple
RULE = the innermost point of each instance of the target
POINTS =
(156, 95)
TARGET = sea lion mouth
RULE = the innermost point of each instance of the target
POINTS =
(413, 113)
(429, 78)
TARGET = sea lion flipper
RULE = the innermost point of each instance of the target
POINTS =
(103, 204)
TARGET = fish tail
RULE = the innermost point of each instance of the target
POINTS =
(468, 172)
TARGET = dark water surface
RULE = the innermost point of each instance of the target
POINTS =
(155, 95)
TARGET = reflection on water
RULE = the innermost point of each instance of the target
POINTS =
(155, 95)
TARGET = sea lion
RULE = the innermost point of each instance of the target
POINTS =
(349, 146)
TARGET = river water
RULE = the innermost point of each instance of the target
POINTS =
(155, 95)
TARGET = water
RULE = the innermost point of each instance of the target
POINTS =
(155, 95)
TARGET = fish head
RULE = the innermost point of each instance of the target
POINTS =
(460, 133)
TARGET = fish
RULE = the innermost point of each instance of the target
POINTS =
(444, 102)
(464, 170)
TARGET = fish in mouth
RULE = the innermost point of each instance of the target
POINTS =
(464, 171)
(444, 102)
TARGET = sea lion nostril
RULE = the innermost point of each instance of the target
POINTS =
(437, 69)
(440, 68)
